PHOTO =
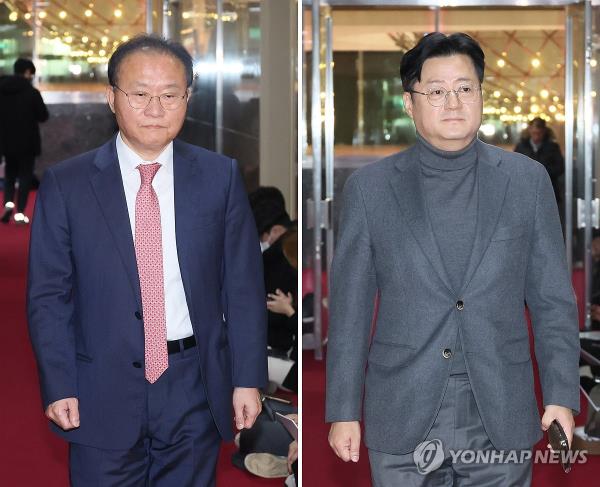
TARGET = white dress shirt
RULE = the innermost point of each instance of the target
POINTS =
(177, 315)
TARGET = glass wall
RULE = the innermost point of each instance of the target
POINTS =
(71, 42)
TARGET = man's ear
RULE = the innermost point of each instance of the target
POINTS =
(110, 98)
(408, 106)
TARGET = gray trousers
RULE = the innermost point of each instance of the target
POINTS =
(457, 426)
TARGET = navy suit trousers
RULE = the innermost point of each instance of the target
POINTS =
(178, 444)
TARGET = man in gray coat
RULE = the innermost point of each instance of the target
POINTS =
(454, 236)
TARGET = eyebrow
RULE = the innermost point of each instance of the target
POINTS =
(444, 81)
(141, 84)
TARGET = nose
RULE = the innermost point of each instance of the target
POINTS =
(452, 100)
(154, 108)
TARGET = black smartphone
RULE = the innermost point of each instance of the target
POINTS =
(560, 443)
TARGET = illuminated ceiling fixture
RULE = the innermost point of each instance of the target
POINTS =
(520, 93)
(104, 40)
(85, 39)
(43, 14)
(68, 39)
(593, 63)
(186, 15)
(533, 99)
(501, 63)
(517, 109)
(534, 108)
(535, 62)
(544, 93)
(118, 13)
(88, 13)
(504, 54)
(13, 16)
(497, 94)
(62, 14)
(102, 52)
(552, 108)
(555, 98)
(125, 38)
(27, 16)
(593, 93)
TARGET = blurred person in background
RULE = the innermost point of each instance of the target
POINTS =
(538, 143)
(21, 110)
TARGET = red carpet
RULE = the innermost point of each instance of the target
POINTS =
(322, 468)
(31, 456)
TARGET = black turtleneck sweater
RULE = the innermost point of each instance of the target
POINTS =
(450, 189)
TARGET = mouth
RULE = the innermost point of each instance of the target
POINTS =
(153, 126)
(453, 120)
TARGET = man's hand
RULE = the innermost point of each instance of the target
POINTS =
(246, 406)
(344, 439)
(563, 415)
(64, 412)
(292, 454)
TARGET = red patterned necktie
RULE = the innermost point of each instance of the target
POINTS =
(149, 256)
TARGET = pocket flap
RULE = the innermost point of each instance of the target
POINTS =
(386, 354)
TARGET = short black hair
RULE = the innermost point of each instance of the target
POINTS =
(21, 65)
(437, 44)
(150, 43)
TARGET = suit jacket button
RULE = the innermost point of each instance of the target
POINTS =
(137, 365)
(460, 305)
(447, 353)
(138, 315)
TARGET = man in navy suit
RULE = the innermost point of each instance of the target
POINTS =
(145, 293)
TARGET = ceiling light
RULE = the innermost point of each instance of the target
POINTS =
(88, 13)
(535, 62)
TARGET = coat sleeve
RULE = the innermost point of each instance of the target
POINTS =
(40, 109)
(49, 294)
(551, 301)
(246, 309)
(352, 293)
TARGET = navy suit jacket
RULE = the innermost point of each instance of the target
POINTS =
(84, 302)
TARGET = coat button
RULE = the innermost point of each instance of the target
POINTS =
(460, 305)
(138, 315)
(137, 365)
(447, 353)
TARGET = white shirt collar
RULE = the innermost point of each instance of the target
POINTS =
(129, 159)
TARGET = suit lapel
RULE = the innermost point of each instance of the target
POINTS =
(108, 188)
(407, 187)
(185, 185)
(492, 184)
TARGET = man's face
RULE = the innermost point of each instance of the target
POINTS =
(148, 130)
(452, 125)
(536, 134)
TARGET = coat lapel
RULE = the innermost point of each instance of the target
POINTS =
(185, 171)
(407, 187)
(492, 184)
(108, 188)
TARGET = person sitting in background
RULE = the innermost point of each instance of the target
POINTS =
(21, 109)
(275, 228)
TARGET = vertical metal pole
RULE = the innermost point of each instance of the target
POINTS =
(588, 161)
(329, 138)
(219, 80)
(316, 152)
(149, 23)
(35, 55)
(360, 86)
(569, 140)
(166, 20)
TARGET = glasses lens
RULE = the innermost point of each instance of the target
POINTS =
(138, 100)
(467, 93)
(437, 96)
(170, 102)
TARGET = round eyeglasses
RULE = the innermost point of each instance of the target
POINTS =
(140, 99)
(438, 96)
